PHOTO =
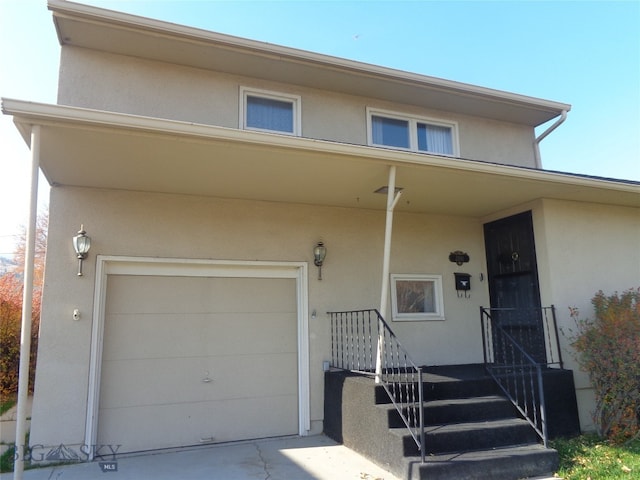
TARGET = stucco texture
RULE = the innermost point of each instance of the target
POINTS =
(105, 81)
(584, 248)
(186, 227)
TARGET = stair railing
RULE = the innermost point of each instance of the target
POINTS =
(517, 373)
(363, 342)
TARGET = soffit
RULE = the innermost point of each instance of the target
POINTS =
(114, 32)
(104, 150)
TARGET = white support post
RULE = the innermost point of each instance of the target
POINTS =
(27, 308)
(392, 201)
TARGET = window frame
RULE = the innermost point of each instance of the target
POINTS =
(294, 100)
(437, 315)
(412, 121)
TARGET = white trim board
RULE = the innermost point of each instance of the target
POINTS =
(152, 266)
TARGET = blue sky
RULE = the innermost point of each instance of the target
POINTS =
(585, 53)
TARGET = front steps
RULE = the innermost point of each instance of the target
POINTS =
(472, 432)
(504, 463)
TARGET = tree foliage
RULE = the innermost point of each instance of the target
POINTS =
(42, 227)
(11, 291)
(609, 350)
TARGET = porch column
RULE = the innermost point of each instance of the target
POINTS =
(27, 310)
(392, 201)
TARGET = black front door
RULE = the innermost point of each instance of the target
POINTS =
(513, 281)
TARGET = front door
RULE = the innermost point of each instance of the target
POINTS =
(513, 281)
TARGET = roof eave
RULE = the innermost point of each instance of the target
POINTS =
(530, 110)
(32, 113)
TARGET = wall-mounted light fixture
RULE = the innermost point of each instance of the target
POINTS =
(458, 257)
(81, 244)
(319, 254)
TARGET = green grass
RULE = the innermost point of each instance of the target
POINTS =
(7, 403)
(589, 457)
(6, 460)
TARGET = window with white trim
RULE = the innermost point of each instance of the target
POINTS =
(388, 129)
(269, 111)
(416, 297)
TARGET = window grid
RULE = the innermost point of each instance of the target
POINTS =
(425, 135)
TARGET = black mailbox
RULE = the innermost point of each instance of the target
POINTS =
(463, 282)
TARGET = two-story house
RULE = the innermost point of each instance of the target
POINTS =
(206, 169)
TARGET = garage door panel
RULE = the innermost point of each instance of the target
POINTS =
(274, 372)
(161, 381)
(166, 426)
(246, 418)
(151, 381)
(133, 336)
(128, 335)
(148, 294)
(165, 337)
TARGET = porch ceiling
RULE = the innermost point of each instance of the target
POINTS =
(104, 150)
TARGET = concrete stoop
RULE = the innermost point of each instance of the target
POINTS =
(472, 432)
(505, 463)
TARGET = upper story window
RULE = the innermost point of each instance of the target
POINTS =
(269, 111)
(412, 133)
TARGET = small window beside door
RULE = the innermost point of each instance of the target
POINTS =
(417, 297)
(269, 111)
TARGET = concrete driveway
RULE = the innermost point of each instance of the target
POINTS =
(291, 458)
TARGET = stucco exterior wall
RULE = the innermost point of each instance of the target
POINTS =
(118, 83)
(583, 248)
(173, 226)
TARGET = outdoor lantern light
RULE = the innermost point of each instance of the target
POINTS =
(319, 253)
(81, 244)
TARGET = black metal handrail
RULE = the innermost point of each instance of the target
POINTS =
(363, 342)
(548, 337)
(514, 369)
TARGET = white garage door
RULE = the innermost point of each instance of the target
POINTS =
(192, 360)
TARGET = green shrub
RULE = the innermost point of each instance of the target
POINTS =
(608, 348)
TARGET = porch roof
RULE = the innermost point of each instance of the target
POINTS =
(91, 148)
(124, 34)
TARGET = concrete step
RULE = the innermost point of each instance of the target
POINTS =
(472, 431)
(477, 387)
(490, 407)
(442, 390)
(469, 436)
(458, 410)
(458, 381)
(510, 463)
